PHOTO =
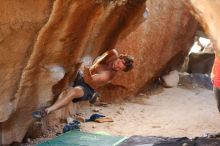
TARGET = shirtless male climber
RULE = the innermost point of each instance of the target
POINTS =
(87, 81)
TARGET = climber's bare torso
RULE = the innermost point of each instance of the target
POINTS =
(104, 69)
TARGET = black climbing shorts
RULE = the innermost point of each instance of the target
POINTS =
(217, 96)
(88, 91)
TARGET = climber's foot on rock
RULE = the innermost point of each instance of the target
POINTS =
(39, 114)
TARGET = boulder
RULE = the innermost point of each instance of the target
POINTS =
(207, 14)
(200, 62)
(171, 79)
(159, 45)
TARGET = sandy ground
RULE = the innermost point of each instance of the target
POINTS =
(169, 112)
(175, 112)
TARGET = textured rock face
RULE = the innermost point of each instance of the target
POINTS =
(17, 35)
(207, 13)
(40, 43)
(158, 45)
(19, 26)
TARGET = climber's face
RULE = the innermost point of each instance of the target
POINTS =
(118, 65)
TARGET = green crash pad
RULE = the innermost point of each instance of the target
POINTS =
(79, 138)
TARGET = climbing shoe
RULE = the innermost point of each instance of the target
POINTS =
(75, 125)
(94, 98)
(39, 114)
